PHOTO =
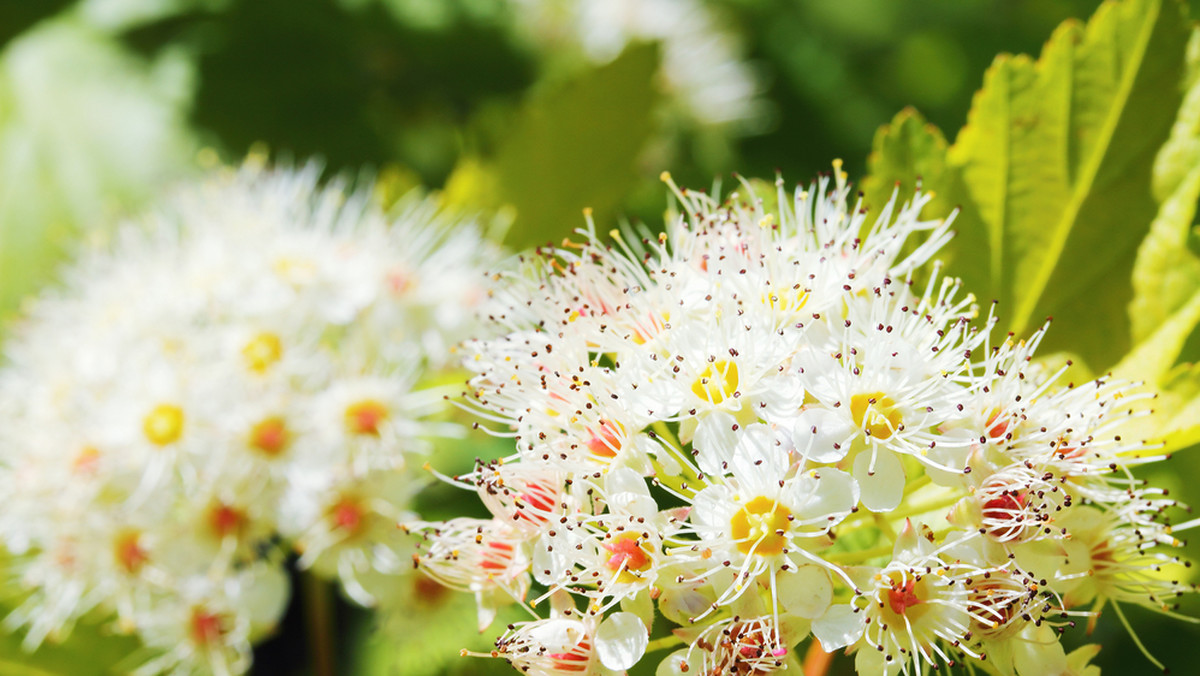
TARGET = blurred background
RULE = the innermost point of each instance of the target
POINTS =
(533, 109)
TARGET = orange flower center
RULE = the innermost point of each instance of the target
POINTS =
(271, 436)
(628, 558)
(129, 553)
(365, 417)
(903, 595)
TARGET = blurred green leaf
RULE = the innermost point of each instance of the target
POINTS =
(87, 130)
(1153, 357)
(575, 147)
(1052, 172)
(423, 631)
(88, 651)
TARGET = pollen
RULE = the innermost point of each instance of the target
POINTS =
(164, 424)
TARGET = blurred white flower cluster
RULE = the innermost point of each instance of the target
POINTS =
(761, 428)
(702, 64)
(234, 377)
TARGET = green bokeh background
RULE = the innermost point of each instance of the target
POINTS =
(440, 93)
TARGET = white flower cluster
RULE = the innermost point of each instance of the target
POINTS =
(232, 378)
(760, 427)
(702, 64)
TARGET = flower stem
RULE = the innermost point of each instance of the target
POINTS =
(317, 597)
(816, 660)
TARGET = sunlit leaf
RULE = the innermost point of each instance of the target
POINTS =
(575, 146)
(906, 151)
(1166, 273)
(1052, 172)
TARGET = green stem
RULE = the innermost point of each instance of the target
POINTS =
(685, 483)
(317, 597)
(860, 555)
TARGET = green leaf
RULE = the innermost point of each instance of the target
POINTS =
(1165, 309)
(423, 631)
(905, 152)
(575, 146)
(87, 130)
(1153, 358)
(1167, 272)
(1173, 416)
(87, 651)
(1052, 173)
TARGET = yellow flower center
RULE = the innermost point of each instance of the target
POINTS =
(717, 382)
(760, 526)
(164, 424)
(787, 300)
(876, 414)
(262, 351)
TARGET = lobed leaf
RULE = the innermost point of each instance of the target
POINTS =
(1052, 173)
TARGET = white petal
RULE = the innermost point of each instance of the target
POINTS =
(641, 605)
(554, 555)
(822, 435)
(621, 641)
(839, 627)
(881, 479)
(626, 492)
(714, 442)
(831, 492)
(805, 592)
(674, 665)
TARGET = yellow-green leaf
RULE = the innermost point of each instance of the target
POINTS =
(1053, 174)
(1166, 273)
(905, 152)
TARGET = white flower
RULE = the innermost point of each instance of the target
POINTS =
(732, 423)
